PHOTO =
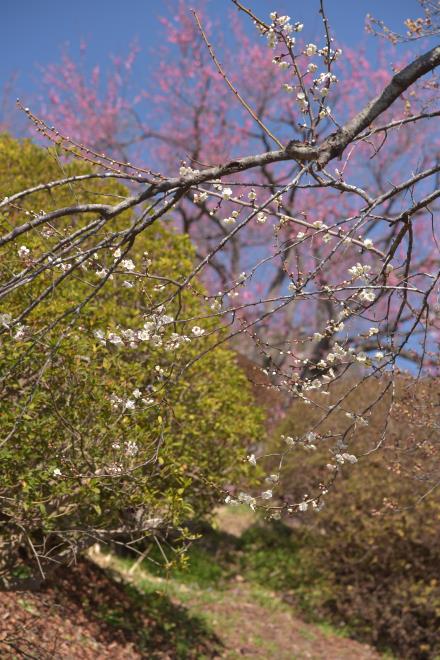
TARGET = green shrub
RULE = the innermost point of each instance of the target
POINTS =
(78, 462)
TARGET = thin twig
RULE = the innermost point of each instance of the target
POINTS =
(231, 86)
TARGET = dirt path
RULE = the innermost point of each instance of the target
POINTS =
(252, 629)
(88, 613)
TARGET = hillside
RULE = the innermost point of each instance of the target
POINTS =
(102, 608)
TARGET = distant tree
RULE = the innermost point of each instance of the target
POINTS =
(193, 119)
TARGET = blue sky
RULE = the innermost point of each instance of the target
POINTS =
(34, 32)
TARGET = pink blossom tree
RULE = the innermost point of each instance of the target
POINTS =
(201, 124)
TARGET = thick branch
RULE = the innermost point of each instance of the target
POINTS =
(335, 144)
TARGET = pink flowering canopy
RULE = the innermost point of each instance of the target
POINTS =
(187, 115)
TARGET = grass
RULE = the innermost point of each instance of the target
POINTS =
(236, 594)
(258, 563)
(264, 557)
(184, 630)
(217, 592)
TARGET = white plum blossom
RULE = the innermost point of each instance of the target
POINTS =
(143, 335)
(131, 448)
(227, 193)
(267, 495)
(20, 332)
(310, 438)
(251, 459)
(197, 331)
(324, 112)
(116, 401)
(303, 506)
(156, 340)
(185, 170)
(200, 197)
(176, 341)
(247, 499)
(325, 79)
(310, 50)
(99, 334)
(346, 458)
(359, 270)
(115, 339)
(367, 296)
(23, 252)
(57, 472)
(128, 264)
(301, 98)
(113, 469)
(271, 38)
(283, 20)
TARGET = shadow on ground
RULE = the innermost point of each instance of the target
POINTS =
(87, 612)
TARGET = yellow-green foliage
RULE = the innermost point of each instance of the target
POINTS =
(58, 383)
(371, 557)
